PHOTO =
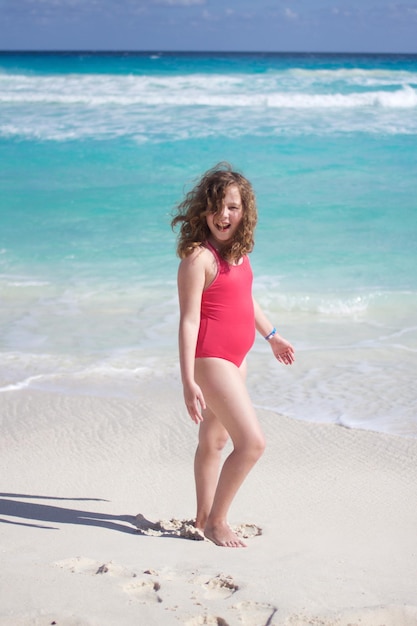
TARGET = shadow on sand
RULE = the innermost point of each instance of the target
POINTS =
(21, 507)
(43, 515)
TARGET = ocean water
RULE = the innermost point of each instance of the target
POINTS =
(96, 149)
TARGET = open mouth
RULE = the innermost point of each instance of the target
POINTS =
(222, 227)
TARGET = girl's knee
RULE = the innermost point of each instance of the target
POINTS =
(259, 446)
(220, 442)
(215, 443)
(253, 448)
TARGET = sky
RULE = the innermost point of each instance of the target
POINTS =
(210, 25)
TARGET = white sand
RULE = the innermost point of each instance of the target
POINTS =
(337, 509)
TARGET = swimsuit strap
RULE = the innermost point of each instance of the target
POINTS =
(210, 246)
(220, 260)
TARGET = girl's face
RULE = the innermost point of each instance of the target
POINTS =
(224, 223)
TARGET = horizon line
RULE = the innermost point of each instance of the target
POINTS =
(190, 51)
(229, 52)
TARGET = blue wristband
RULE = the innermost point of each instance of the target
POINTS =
(271, 334)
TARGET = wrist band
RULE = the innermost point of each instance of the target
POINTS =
(271, 334)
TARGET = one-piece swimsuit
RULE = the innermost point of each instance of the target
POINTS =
(227, 321)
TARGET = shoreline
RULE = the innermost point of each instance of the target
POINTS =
(336, 509)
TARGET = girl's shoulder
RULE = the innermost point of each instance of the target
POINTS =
(201, 261)
(200, 256)
(198, 252)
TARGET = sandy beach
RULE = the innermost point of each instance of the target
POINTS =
(97, 494)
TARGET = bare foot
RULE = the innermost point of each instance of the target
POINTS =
(222, 535)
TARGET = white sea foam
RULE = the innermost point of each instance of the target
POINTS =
(114, 375)
(330, 304)
(149, 108)
(21, 384)
(27, 283)
(403, 98)
(354, 76)
(194, 90)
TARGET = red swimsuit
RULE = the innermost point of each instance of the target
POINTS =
(227, 322)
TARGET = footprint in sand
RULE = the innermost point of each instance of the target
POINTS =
(248, 614)
(255, 613)
(141, 589)
(247, 531)
(220, 586)
(145, 591)
(83, 565)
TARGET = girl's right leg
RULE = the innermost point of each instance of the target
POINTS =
(212, 438)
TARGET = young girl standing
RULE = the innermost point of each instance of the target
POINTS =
(218, 318)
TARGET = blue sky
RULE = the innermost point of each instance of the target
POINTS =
(225, 25)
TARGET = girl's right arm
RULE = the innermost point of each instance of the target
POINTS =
(191, 281)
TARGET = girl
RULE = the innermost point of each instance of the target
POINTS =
(218, 317)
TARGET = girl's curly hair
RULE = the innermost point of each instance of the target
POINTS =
(206, 197)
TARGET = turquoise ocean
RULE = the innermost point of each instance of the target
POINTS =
(96, 150)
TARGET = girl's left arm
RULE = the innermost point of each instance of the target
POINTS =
(282, 349)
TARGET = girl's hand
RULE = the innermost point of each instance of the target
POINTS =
(194, 401)
(282, 349)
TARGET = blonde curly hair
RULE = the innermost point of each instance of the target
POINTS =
(206, 197)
